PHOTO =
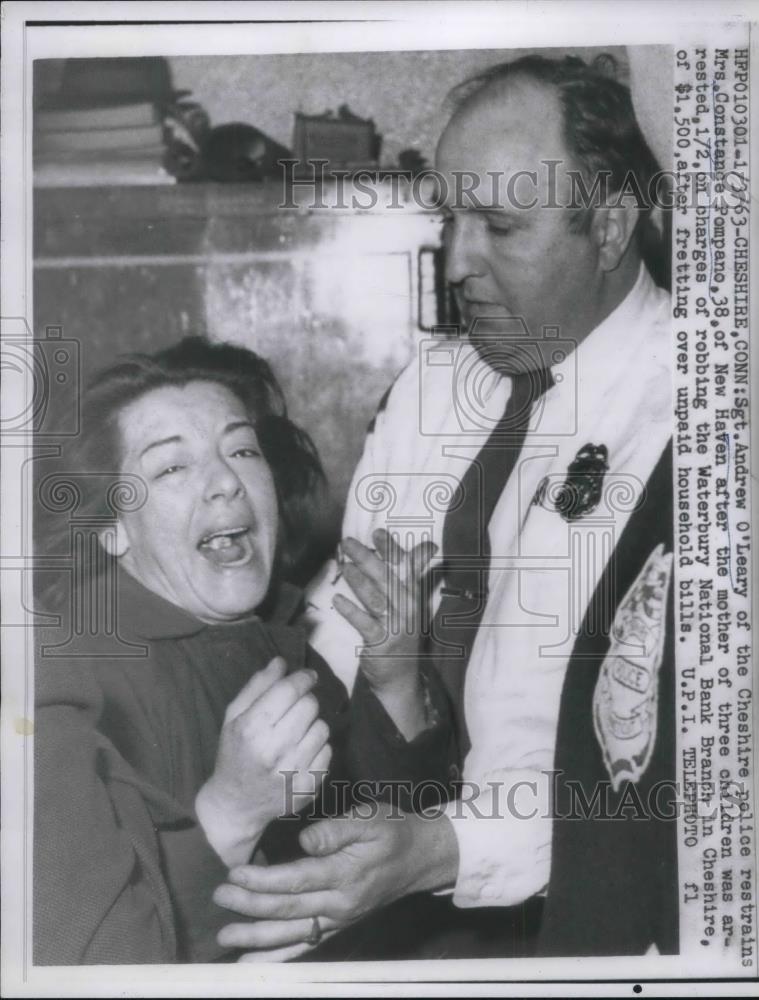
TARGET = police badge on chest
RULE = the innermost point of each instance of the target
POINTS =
(581, 491)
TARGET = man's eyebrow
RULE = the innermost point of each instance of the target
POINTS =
(501, 212)
(492, 211)
(236, 425)
(157, 444)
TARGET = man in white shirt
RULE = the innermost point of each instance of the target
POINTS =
(567, 667)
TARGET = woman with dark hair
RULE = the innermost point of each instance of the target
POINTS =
(182, 736)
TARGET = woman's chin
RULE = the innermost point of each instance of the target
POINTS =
(235, 593)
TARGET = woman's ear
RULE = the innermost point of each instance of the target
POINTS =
(115, 539)
(612, 230)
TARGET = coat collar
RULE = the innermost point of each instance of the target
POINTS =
(146, 615)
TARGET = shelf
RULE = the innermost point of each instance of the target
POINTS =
(390, 195)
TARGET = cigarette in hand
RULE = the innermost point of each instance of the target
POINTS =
(341, 562)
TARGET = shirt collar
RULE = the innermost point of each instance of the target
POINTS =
(146, 615)
(605, 350)
(608, 347)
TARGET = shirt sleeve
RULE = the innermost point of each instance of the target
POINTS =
(338, 642)
(503, 829)
(99, 893)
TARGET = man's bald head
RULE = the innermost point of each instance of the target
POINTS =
(523, 114)
(522, 255)
(600, 133)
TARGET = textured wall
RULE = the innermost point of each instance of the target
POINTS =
(652, 70)
(402, 91)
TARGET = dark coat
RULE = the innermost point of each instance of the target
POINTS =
(613, 888)
(126, 732)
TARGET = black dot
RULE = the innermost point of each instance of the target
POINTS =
(637, 988)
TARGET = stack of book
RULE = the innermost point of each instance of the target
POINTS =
(108, 144)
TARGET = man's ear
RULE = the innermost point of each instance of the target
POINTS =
(611, 230)
(115, 539)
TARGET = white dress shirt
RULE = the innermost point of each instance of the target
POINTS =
(613, 390)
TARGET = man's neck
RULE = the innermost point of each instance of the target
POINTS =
(616, 286)
(612, 291)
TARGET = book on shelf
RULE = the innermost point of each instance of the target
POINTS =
(86, 119)
(93, 140)
(99, 170)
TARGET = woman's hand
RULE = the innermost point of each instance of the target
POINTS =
(273, 754)
(389, 584)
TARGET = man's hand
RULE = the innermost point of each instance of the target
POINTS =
(389, 583)
(355, 866)
(271, 742)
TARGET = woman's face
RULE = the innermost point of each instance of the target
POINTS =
(205, 538)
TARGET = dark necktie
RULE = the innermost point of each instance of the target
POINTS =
(466, 545)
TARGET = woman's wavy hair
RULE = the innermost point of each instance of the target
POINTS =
(296, 468)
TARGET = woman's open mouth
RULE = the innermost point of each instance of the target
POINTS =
(227, 547)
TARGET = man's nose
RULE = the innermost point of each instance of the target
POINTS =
(465, 248)
(222, 481)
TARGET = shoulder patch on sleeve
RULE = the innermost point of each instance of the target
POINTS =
(625, 698)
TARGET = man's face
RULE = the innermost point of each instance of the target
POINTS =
(506, 262)
(206, 536)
